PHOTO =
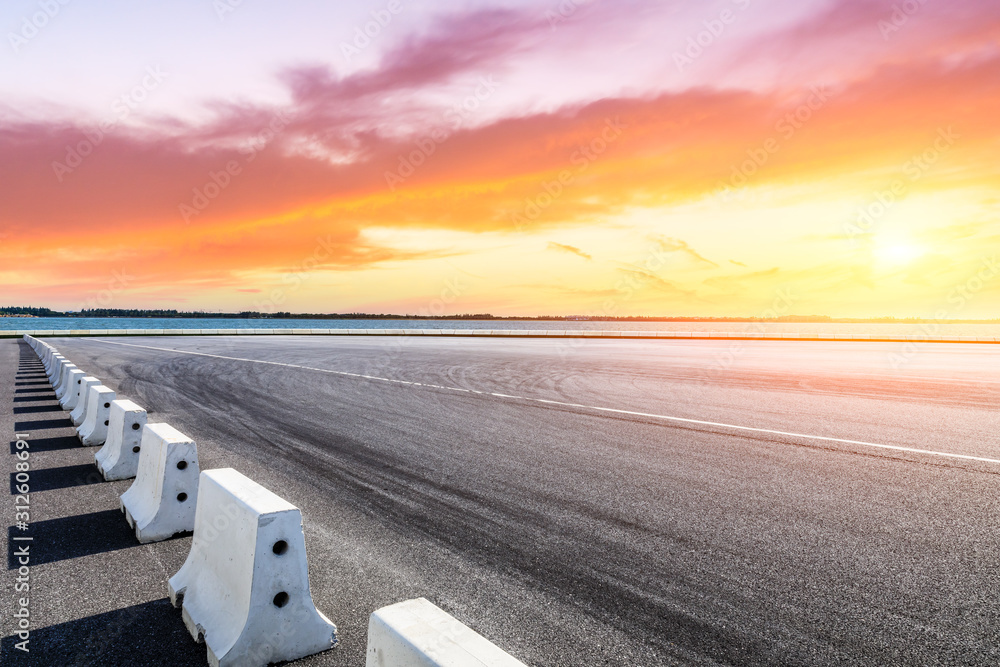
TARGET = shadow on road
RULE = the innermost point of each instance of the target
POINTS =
(32, 399)
(74, 536)
(50, 444)
(31, 409)
(151, 633)
(47, 479)
(40, 424)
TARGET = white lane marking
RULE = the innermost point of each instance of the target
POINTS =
(685, 420)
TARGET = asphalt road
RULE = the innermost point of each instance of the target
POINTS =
(578, 503)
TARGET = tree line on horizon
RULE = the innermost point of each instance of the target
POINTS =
(36, 311)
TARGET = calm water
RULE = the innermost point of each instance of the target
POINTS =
(65, 323)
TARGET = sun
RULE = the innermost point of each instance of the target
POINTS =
(897, 252)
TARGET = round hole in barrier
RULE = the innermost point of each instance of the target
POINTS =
(181, 497)
(135, 427)
(280, 547)
(281, 599)
(136, 449)
(181, 465)
(105, 422)
(107, 405)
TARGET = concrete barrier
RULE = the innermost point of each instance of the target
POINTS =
(244, 587)
(71, 391)
(94, 429)
(52, 372)
(79, 414)
(46, 358)
(63, 382)
(79, 404)
(161, 501)
(60, 377)
(119, 457)
(55, 369)
(417, 633)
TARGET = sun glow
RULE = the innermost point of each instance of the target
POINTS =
(896, 253)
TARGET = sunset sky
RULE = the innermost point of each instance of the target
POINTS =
(628, 157)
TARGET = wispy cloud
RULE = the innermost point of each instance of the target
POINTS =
(570, 249)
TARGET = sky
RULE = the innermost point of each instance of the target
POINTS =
(577, 157)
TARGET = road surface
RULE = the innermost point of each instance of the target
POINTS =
(579, 503)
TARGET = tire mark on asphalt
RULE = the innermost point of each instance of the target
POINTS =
(619, 411)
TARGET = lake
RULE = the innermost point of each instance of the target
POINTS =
(889, 330)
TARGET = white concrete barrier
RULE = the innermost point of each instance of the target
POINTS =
(52, 372)
(417, 633)
(119, 457)
(244, 587)
(46, 358)
(62, 384)
(161, 501)
(94, 429)
(58, 362)
(60, 375)
(79, 414)
(79, 404)
(71, 390)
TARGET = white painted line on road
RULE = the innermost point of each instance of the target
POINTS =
(735, 427)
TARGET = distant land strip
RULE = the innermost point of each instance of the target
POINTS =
(112, 313)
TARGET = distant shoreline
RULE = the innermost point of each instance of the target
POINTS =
(490, 318)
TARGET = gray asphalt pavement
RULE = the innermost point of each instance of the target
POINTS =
(577, 502)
